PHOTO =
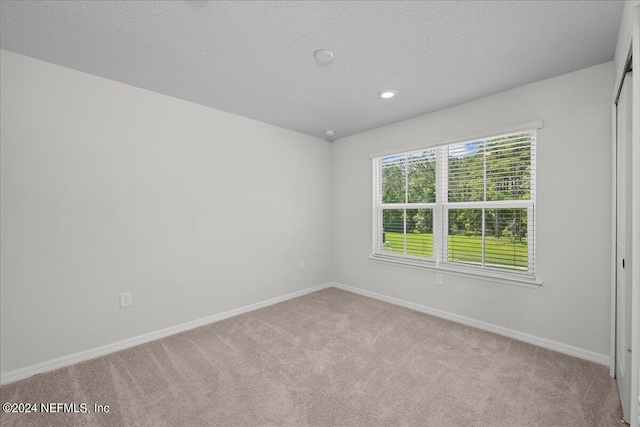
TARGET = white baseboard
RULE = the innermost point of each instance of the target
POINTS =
(61, 362)
(602, 359)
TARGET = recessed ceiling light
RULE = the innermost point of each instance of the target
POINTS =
(323, 55)
(387, 93)
(329, 132)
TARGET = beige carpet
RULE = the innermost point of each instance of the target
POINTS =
(331, 358)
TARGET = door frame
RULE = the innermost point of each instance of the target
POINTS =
(631, 45)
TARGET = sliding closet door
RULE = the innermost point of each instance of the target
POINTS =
(623, 246)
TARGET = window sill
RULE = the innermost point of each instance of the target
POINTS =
(492, 276)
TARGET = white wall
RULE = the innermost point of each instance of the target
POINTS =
(573, 211)
(107, 188)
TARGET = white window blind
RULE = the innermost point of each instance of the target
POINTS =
(467, 205)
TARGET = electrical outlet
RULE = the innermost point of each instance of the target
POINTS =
(301, 265)
(125, 299)
(439, 279)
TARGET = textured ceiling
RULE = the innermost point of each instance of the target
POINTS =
(256, 59)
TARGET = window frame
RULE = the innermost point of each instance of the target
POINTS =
(441, 207)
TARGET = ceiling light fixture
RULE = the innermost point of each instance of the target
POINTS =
(329, 133)
(387, 93)
(323, 55)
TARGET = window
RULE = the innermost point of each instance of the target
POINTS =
(466, 206)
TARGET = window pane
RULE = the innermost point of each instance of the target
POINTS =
(465, 236)
(418, 240)
(420, 232)
(509, 168)
(466, 172)
(393, 179)
(393, 230)
(421, 172)
(506, 239)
